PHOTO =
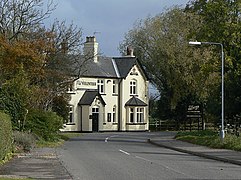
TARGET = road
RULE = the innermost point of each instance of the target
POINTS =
(128, 156)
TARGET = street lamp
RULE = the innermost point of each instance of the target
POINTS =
(222, 134)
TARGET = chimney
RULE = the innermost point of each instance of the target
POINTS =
(130, 51)
(91, 48)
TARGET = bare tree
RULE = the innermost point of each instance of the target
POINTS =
(19, 17)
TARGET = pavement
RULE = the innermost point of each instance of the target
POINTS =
(223, 155)
(43, 163)
(40, 163)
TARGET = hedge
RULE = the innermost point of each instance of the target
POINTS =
(6, 135)
(44, 124)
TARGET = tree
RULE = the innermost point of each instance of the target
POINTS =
(177, 70)
(20, 17)
(222, 23)
(14, 99)
(42, 53)
(61, 107)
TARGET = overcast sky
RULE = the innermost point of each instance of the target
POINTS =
(111, 19)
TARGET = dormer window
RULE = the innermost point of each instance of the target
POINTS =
(133, 87)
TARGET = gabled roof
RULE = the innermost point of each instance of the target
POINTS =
(102, 68)
(89, 96)
(124, 65)
(134, 101)
(106, 67)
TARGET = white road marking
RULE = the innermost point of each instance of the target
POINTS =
(106, 139)
(124, 152)
(143, 159)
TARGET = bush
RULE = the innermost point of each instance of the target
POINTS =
(6, 136)
(44, 124)
(23, 140)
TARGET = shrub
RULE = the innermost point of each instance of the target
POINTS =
(6, 136)
(44, 124)
(23, 140)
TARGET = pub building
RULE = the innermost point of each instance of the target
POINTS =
(110, 94)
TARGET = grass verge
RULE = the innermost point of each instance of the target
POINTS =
(5, 178)
(58, 142)
(211, 139)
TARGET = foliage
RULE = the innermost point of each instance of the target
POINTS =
(191, 75)
(6, 136)
(14, 99)
(44, 124)
(211, 139)
(42, 53)
(61, 137)
(61, 107)
(23, 140)
(222, 23)
(182, 74)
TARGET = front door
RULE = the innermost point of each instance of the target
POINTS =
(95, 119)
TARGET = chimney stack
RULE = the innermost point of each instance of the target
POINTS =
(91, 48)
(130, 51)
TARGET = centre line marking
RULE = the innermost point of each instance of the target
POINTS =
(124, 152)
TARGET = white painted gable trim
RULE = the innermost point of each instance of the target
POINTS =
(116, 69)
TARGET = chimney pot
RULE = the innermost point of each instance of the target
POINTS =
(130, 51)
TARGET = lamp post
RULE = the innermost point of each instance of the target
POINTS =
(222, 134)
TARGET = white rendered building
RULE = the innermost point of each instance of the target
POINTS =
(110, 95)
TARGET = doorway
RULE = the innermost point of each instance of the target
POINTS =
(95, 119)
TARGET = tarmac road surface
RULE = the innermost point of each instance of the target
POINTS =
(128, 156)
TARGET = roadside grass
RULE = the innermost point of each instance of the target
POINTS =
(3, 178)
(211, 139)
(62, 137)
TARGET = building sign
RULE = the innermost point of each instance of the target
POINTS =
(83, 84)
(194, 111)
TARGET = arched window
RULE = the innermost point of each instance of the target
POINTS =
(133, 87)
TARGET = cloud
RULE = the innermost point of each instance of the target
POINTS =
(112, 18)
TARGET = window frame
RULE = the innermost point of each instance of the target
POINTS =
(108, 117)
(114, 115)
(71, 115)
(133, 87)
(114, 87)
(132, 115)
(140, 115)
(101, 86)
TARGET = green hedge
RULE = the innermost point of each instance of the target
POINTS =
(6, 135)
(44, 124)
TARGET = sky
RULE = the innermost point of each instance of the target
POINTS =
(108, 20)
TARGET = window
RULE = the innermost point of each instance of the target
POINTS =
(95, 110)
(109, 117)
(114, 87)
(100, 86)
(131, 115)
(71, 114)
(140, 115)
(114, 115)
(133, 87)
